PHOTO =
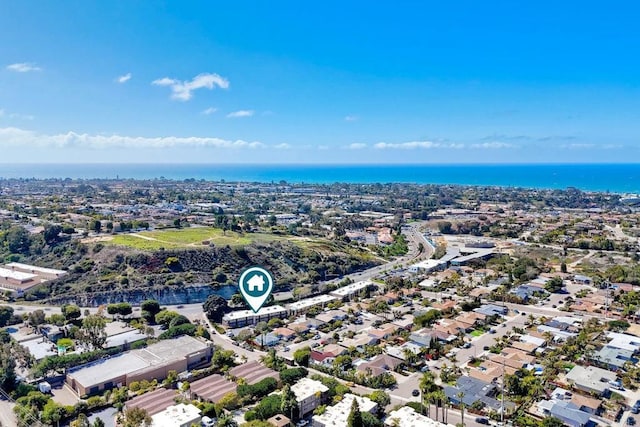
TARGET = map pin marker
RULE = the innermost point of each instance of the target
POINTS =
(255, 286)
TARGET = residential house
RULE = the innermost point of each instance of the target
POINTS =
(474, 390)
(379, 365)
(569, 413)
(327, 354)
(309, 394)
(285, 333)
(591, 379)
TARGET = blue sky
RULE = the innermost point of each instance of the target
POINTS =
(323, 82)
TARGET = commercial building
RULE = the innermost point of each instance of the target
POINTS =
(336, 415)
(310, 394)
(153, 362)
(19, 278)
(179, 415)
(240, 318)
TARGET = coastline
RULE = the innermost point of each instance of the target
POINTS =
(592, 177)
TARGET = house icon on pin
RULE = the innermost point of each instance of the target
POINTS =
(256, 283)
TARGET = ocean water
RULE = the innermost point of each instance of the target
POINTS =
(616, 178)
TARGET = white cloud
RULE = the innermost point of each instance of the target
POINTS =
(350, 118)
(356, 146)
(492, 145)
(209, 111)
(3, 113)
(183, 90)
(323, 147)
(23, 67)
(283, 146)
(578, 146)
(240, 113)
(124, 78)
(17, 137)
(415, 144)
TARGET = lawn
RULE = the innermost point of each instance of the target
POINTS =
(476, 333)
(188, 238)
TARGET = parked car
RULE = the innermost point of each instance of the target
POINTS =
(302, 423)
(631, 421)
(617, 385)
(486, 348)
(492, 331)
(207, 422)
(415, 392)
(482, 420)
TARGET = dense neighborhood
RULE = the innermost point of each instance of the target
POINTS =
(476, 312)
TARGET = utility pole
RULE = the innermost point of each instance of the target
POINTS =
(502, 403)
(606, 299)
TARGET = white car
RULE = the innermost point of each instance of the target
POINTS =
(207, 422)
(302, 423)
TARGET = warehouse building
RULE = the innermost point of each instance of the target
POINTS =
(153, 362)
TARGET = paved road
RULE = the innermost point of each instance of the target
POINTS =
(7, 418)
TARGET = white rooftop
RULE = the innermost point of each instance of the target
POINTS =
(351, 288)
(428, 264)
(177, 415)
(243, 314)
(310, 302)
(21, 266)
(306, 388)
(624, 341)
(336, 415)
(16, 275)
(408, 417)
(156, 354)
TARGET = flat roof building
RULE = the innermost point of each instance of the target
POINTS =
(153, 362)
(18, 278)
(309, 393)
(179, 415)
(240, 318)
(408, 417)
(336, 415)
(351, 289)
(307, 303)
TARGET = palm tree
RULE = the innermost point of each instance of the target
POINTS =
(460, 396)
(441, 400)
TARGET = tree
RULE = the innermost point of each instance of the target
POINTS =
(96, 225)
(381, 398)
(53, 413)
(149, 309)
(370, 420)
(98, 422)
(6, 313)
(552, 422)
(7, 367)
(165, 317)
(355, 417)
(554, 285)
(226, 420)
(136, 417)
(288, 402)
(214, 307)
(36, 318)
(93, 331)
(302, 356)
(71, 312)
(51, 233)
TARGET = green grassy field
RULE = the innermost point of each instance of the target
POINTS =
(192, 237)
